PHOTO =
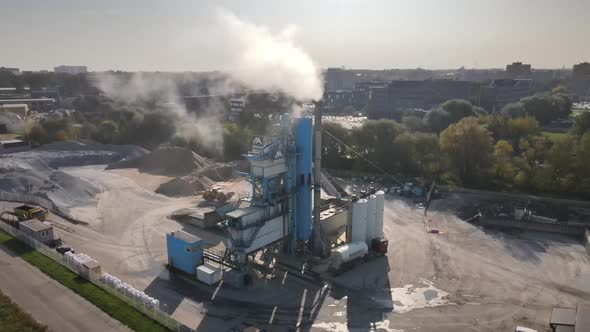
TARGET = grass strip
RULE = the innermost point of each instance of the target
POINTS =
(13, 318)
(110, 304)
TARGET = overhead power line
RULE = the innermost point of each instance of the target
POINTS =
(362, 157)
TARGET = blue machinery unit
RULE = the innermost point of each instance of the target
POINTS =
(281, 203)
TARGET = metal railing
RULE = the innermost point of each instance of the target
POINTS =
(154, 313)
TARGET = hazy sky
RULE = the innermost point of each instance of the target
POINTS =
(184, 35)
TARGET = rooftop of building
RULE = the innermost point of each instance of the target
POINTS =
(14, 105)
(184, 236)
(10, 141)
(24, 100)
(571, 319)
(36, 225)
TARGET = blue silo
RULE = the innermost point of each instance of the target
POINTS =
(303, 144)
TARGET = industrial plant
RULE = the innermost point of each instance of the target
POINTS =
(285, 216)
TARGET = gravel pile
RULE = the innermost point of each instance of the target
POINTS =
(36, 172)
(193, 173)
(167, 160)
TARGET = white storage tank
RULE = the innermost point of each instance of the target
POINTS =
(359, 221)
(347, 253)
(209, 274)
(371, 219)
(380, 197)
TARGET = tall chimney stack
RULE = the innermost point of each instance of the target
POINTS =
(317, 244)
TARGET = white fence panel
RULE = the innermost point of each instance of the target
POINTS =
(154, 313)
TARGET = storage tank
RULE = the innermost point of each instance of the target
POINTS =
(380, 197)
(347, 253)
(359, 221)
(371, 219)
(303, 131)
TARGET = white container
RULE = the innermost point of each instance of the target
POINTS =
(208, 274)
(359, 221)
(347, 253)
(371, 215)
(379, 213)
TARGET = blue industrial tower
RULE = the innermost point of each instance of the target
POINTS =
(303, 144)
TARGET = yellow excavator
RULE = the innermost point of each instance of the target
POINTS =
(216, 194)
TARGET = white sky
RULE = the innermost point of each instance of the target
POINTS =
(179, 35)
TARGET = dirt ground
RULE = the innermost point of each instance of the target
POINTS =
(465, 279)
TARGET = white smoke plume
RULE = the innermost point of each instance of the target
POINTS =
(270, 62)
(142, 87)
(258, 60)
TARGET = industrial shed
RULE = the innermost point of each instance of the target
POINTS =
(41, 231)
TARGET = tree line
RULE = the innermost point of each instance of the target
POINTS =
(460, 144)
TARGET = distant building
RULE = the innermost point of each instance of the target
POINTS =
(11, 92)
(336, 100)
(22, 110)
(479, 75)
(581, 79)
(74, 70)
(52, 93)
(339, 79)
(391, 99)
(221, 105)
(361, 92)
(14, 71)
(543, 76)
(34, 104)
(518, 70)
(498, 93)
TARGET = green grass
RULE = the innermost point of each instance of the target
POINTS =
(13, 318)
(110, 304)
(553, 136)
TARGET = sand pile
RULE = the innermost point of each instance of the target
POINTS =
(167, 160)
(193, 172)
(35, 172)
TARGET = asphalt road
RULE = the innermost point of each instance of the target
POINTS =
(49, 302)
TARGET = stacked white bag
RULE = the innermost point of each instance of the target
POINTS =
(130, 291)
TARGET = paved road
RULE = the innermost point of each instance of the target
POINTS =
(48, 301)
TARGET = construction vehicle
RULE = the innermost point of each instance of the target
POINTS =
(217, 194)
(26, 212)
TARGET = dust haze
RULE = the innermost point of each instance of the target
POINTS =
(259, 60)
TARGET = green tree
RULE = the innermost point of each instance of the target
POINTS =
(374, 140)
(582, 165)
(236, 141)
(459, 109)
(548, 107)
(581, 124)
(108, 132)
(37, 135)
(505, 170)
(513, 110)
(334, 153)
(560, 158)
(438, 120)
(414, 123)
(467, 146)
(522, 127)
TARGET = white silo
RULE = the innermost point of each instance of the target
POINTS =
(380, 198)
(371, 219)
(359, 220)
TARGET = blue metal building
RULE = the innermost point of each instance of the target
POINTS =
(185, 251)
